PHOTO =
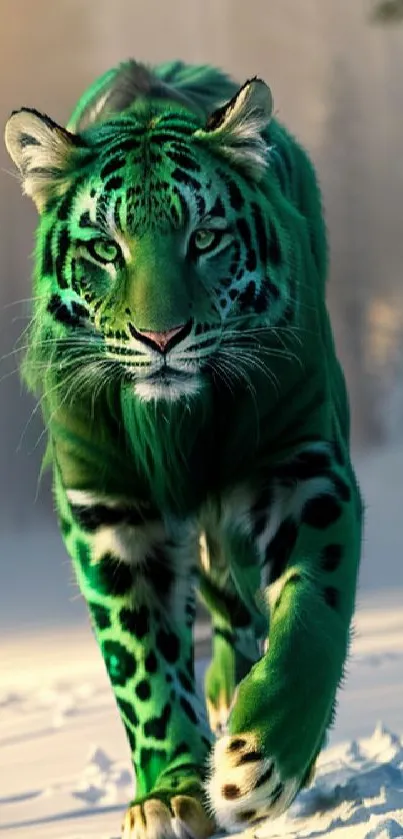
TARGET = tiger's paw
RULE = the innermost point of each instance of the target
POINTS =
(179, 817)
(247, 786)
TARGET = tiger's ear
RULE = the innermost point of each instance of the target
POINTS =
(236, 129)
(44, 152)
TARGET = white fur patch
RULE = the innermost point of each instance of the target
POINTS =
(171, 391)
(233, 787)
(126, 542)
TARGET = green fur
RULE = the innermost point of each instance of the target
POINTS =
(164, 210)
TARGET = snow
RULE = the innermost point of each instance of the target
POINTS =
(65, 770)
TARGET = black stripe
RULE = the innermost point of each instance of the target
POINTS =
(182, 177)
(91, 518)
(260, 233)
(28, 140)
(47, 258)
(183, 160)
(63, 243)
(115, 182)
(112, 166)
(244, 231)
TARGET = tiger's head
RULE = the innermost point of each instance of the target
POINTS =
(158, 255)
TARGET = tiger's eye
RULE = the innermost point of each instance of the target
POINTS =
(204, 239)
(103, 251)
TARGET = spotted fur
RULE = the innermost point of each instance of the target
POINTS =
(198, 429)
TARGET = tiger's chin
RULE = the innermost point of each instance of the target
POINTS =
(170, 387)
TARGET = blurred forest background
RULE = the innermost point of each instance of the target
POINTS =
(335, 70)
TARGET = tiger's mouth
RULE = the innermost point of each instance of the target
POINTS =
(167, 383)
(168, 375)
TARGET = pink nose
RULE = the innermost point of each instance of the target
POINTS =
(162, 339)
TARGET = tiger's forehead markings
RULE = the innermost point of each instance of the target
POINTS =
(117, 234)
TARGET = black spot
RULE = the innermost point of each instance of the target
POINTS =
(261, 302)
(120, 664)
(168, 645)
(331, 557)
(60, 311)
(247, 297)
(237, 743)
(265, 777)
(151, 663)
(331, 596)
(230, 791)
(136, 621)
(128, 710)
(181, 749)
(157, 727)
(306, 465)
(101, 615)
(279, 550)
(157, 569)
(321, 512)
(249, 757)
(85, 220)
(185, 682)
(110, 575)
(143, 690)
(146, 755)
(114, 183)
(78, 310)
(132, 740)
(189, 711)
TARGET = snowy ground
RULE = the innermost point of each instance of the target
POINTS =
(64, 763)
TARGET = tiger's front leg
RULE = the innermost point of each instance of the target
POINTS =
(284, 705)
(137, 577)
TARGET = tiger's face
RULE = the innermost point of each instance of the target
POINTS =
(157, 259)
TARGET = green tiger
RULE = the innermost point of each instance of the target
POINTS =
(198, 430)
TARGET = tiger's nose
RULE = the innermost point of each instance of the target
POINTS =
(165, 340)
